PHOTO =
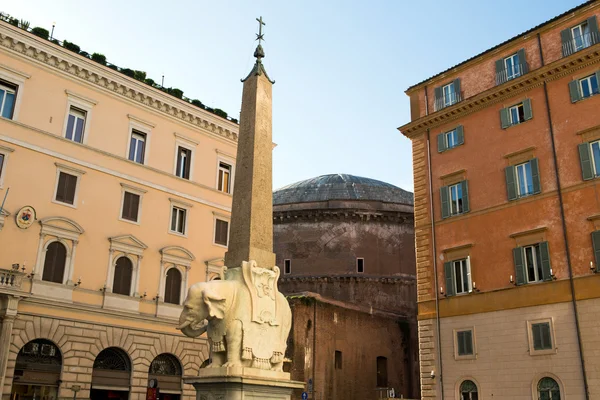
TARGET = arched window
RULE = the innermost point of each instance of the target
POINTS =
(37, 370)
(166, 369)
(548, 389)
(468, 390)
(112, 370)
(173, 286)
(123, 273)
(54, 264)
(382, 375)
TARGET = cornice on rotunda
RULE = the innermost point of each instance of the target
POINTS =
(349, 277)
(43, 52)
(342, 214)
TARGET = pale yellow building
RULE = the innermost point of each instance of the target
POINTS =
(127, 196)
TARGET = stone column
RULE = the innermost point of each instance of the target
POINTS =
(9, 309)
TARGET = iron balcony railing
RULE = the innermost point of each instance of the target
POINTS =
(11, 279)
(447, 101)
(506, 75)
(579, 43)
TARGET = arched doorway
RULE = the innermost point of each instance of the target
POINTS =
(111, 375)
(166, 369)
(37, 371)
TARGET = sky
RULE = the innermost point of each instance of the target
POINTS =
(341, 67)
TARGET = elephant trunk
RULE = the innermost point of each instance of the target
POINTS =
(190, 329)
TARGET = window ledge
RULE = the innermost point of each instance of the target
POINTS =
(543, 352)
(220, 245)
(466, 357)
(121, 302)
(60, 203)
(184, 235)
(168, 310)
(129, 221)
(52, 290)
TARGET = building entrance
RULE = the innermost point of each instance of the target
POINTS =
(37, 371)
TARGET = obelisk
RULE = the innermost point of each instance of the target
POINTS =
(251, 231)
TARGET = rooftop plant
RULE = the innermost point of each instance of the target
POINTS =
(101, 59)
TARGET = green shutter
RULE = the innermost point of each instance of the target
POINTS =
(536, 332)
(438, 103)
(545, 254)
(457, 90)
(500, 72)
(460, 134)
(450, 290)
(504, 118)
(596, 243)
(527, 111)
(445, 201)
(441, 140)
(593, 26)
(597, 78)
(574, 91)
(535, 175)
(567, 42)
(585, 157)
(465, 195)
(519, 266)
(523, 61)
(511, 182)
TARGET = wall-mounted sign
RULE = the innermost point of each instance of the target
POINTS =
(25, 217)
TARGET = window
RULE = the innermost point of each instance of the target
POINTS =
(548, 389)
(184, 160)
(516, 114)
(360, 265)
(2, 157)
(512, 66)
(583, 88)
(137, 147)
(338, 359)
(589, 157)
(447, 95)
(450, 139)
(382, 375)
(131, 203)
(468, 390)
(540, 332)
(54, 263)
(287, 267)
(8, 96)
(224, 184)
(75, 124)
(579, 36)
(123, 275)
(596, 247)
(464, 343)
(532, 263)
(455, 199)
(221, 232)
(458, 277)
(65, 190)
(523, 179)
(173, 286)
(178, 222)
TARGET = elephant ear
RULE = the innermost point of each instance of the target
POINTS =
(215, 304)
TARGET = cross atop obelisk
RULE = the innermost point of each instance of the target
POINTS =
(251, 232)
(259, 35)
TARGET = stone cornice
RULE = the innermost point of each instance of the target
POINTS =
(341, 214)
(347, 278)
(24, 44)
(497, 94)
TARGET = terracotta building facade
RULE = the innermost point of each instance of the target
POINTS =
(345, 245)
(507, 219)
(119, 200)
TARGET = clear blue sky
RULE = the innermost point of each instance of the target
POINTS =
(341, 67)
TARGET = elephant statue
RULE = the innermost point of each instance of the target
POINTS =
(246, 319)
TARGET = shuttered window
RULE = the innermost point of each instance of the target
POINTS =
(137, 147)
(65, 191)
(75, 124)
(589, 157)
(542, 338)
(184, 162)
(221, 232)
(523, 179)
(447, 95)
(596, 246)
(457, 274)
(131, 204)
(54, 263)
(451, 139)
(464, 343)
(532, 263)
(511, 67)
(455, 199)
(583, 88)
(178, 219)
(173, 286)
(224, 184)
(516, 114)
(123, 275)
(580, 36)
(8, 96)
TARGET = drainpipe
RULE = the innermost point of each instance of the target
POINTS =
(435, 271)
(564, 228)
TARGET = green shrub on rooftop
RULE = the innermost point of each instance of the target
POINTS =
(220, 113)
(41, 32)
(129, 72)
(99, 58)
(71, 46)
(139, 75)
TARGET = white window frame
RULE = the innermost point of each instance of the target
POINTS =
(473, 344)
(133, 190)
(591, 156)
(225, 218)
(219, 181)
(175, 257)
(140, 138)
(469, 276)
(535, 263)
(84, 104)
(448, 100)
(363, 263)
(287, 261)
(451, 133)
(461, 381)
(189, 144)
(532, 351)
(179, 146)
(132, 248)
(142, 126)
(5, 151)
(229, 160)
(184, 206)
(71, 171)
(522, 165)
(581, 27)
(7, 90)
(510, 114)
(16, 78)
(588, 80)
(516, 66)
(450, 189)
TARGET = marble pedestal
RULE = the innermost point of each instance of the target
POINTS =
(238, 383)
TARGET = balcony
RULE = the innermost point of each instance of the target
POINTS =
(447, 100)
(508, 74)
(578, 43)
(11, 279)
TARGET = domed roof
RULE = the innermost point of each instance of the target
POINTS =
(340, 187)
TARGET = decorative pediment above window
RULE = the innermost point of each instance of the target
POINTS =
(177, 255)
(215, 268)
(128, 244)
(3, 215)
(61, 227)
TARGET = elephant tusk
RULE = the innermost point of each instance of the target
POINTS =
(184, 325)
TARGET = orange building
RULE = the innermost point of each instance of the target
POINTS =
(120, 196)
(506, 155)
